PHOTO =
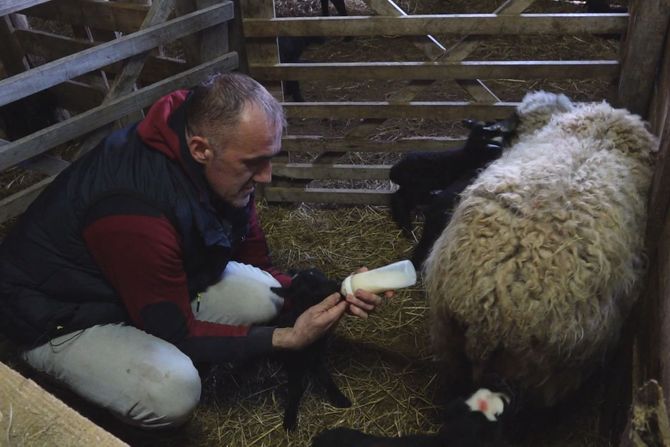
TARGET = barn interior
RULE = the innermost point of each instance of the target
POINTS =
(390, 78)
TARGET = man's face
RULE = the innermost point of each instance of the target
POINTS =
(233, 170)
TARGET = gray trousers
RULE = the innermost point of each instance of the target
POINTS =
(144, 380)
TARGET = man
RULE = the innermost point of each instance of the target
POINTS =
(105, 279)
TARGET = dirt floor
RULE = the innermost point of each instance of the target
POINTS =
(384, 363)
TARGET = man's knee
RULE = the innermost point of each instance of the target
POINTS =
(166, 398)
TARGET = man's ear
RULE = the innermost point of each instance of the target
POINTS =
(200, 149)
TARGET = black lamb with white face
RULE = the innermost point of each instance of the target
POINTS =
(437, 178)
(308, 287)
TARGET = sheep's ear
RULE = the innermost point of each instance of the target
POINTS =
(281, 291)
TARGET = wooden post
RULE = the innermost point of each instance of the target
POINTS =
(642, 50)
(262, 51)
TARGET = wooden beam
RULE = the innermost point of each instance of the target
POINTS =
(53, 46)
(642, 52)
(335, 171)
(480, 24)
(32, 416)
(12, 6)
(111, 16)
(431, 47)
(52, 73)
(47, 138)
(318, 143)
(330, 196)
(445, 110)
(603, 69)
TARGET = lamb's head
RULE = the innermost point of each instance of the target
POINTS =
(488, 138)
(617, 129)
(308, 287)
(537, 108)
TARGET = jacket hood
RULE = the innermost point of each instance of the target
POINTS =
(155, 130)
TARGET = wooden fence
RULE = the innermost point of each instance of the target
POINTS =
(635, 72)
(105, 68)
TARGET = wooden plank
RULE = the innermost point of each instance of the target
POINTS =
(46, 164)
(330, 196)
(642, 52)
(648, 419)
(111, 16)
(52, 46)
(481, 24)
(32, 416)
(445, 110)
(11, 6)
(317, 143)
(52, 73)
(335, 171)
(261, 51)
(602, 69)
(214, 40)
(47, 138)
(431, 47)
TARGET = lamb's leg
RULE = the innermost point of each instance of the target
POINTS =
(292, 89)
(335, 396)
(296, 389)
(401, 211)
(340, 7)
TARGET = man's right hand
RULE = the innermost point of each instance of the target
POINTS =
(311, 325)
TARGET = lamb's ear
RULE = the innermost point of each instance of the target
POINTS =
(471, 124)
(281, 291)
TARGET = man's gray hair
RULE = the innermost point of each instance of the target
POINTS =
(215, 106)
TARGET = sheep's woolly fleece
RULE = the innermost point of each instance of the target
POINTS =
(543, 255)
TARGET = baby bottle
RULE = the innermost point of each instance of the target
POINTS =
(390, 277)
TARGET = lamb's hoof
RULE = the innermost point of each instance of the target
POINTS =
(290, 422)
(340, 401)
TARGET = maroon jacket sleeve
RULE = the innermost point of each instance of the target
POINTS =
(140, 255)
(254, 250)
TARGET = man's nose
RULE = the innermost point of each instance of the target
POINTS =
(264, 173)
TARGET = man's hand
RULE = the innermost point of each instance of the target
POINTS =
(311, 325)
(361, 303)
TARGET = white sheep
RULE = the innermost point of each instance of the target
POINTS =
(542, 260)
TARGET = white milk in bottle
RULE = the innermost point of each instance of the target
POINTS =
(390, 277)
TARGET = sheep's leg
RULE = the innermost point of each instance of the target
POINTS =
(335, 396)
(324, 8)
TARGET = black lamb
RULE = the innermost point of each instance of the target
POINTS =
(308, 287)
(437, 178)
(290, 50)
(471, 422)
(338, 4)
